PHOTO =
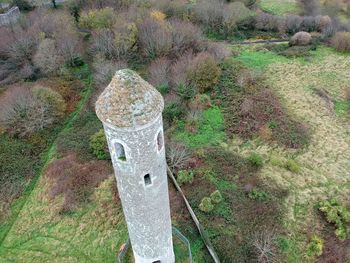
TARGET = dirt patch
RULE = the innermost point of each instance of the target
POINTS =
(335, 251)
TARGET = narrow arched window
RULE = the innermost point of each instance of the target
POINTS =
(120, 151)
(160, 140)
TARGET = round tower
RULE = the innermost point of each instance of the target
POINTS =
(131, 112)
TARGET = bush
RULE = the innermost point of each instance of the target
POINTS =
(155, 37)
(300, 39)
(185, 35)
(99, 146)
(210, 14)
(74, 179)
(47, 58)
(235, 15)
(322, 22)
(336, 213)
(23, 5)
(218, 50)
(26, 111)
(206, 205)
(159, 71)
(184, 176)
(293, 23)
(173, 111)
(179, 69)
(315, 247)
(216, 197)
(258, 195)
(97, 18)
(267, 22)
(203, 72)
(256, 160)
(341, 41)
(125, 38)
(16, 63)
(310, 7)
(177, 156)
(104, 69)
(292, 166)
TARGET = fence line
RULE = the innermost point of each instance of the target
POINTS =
(200, 228)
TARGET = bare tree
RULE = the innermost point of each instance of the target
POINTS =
(177, 156)
(264, 243)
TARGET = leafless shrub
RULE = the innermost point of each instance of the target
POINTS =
(209, 13)
(322, 22)
(155, 37)
(75, 179)
(264, 244)
(69, 46)
(266, 22)
(25, 111)
(235, 15)
(308, 24)
(177, 156)
(341, 41)
(104, 69)
(180, 67)
(159, 72)
(293, 23)
(102, 43)
(300, 39)
(310, 7)
(185, 35)
(218, 50)
(47, 58)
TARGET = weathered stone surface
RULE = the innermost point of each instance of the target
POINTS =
(137, 150)
(129, 101)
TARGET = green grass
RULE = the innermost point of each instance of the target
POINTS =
(210, 130)
(279, 7)
(259, 60)
(342, 107)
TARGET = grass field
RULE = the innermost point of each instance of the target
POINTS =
(279, 7)
(324, 164)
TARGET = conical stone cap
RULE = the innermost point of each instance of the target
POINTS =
(129, 101)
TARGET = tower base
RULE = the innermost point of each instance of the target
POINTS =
(168, 258)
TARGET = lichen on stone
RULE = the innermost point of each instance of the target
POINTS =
(129, 101)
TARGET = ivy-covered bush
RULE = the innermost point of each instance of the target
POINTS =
(255, 160)
(98, 145)
(216, 197)
(206, 205)
(315, 247)
(336, 213)
(184, 177)
(203, 72)
(292, 166)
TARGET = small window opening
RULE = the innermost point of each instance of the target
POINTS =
(160, 140)
(120, 152)
(148, 180)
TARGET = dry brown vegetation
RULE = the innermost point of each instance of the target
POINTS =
(74, 179)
